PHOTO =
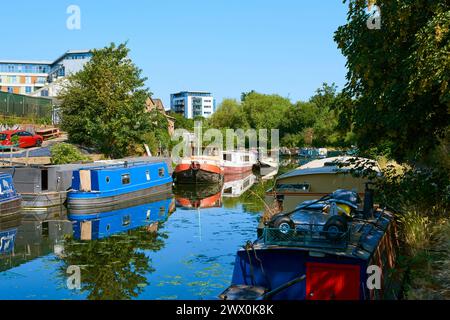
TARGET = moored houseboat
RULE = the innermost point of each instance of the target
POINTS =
(305, 259)
(45, 186)
(42, 186)
(108, 185)
(236, 162)
(318, 178)
(10, 200)
(199, 170)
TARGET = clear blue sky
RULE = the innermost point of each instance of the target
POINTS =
(222, 46)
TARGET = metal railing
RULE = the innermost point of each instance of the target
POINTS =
(306, 235)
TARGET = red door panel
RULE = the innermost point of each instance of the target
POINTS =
(332, 281)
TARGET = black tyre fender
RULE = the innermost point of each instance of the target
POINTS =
(335, 227)
(284, 224)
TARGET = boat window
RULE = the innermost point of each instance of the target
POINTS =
(126, 220)
(108, 227)
(148, 214)
(247, 158)
(162, 211)
(44, 180)
(126, 179)
(305, 187)
(227, 156)
(147, 175)
(108, 179)
(161, 172)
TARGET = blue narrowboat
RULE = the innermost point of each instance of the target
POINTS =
(106, 186)
(315, 254)
(92, 226)
(10, 200)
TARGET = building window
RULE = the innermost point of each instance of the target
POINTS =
(10, 89)
(126, 179)
(27, 89)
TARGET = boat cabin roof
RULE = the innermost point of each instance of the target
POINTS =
(363, 239)
(329, 166)
(122, 165)
(5, 175)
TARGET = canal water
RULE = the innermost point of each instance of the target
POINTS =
(179, 246)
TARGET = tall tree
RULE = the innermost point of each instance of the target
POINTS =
(265, 111)
(399, 75)
(229, 114)
(103, 106)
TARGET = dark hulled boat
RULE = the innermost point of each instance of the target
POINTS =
(198, 170)
(307, 257)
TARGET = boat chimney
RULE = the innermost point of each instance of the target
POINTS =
(368, 201)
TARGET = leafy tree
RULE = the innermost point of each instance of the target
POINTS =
(63, 153)
(114, 268)
(229, 114)
(265, 111)
(245, 94)
(103, 105)
(181, 122)
(399, 75)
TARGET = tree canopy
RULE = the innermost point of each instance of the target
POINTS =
(398, 76)
(103, 106)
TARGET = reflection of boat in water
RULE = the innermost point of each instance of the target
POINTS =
(316, 179)
(8, 232)
(37, 234)
(236, 185)
(106, 186)
(10, 200)
(199, 170)
(91, 225)
(199, 196)
(299, 262)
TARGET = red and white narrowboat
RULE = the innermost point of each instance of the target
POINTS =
(236, 162)
(199, 170)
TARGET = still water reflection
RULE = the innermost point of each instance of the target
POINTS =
(181, 246)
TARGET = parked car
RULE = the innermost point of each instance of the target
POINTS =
(26, 139)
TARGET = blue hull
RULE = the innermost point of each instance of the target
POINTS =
(111, 185)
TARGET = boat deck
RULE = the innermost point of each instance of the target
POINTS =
(359, 242)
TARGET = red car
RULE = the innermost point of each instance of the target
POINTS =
(26, 139)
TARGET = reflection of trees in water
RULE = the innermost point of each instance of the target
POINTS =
(253, 199)
(114, 268)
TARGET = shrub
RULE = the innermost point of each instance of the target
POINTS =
(63, 153)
